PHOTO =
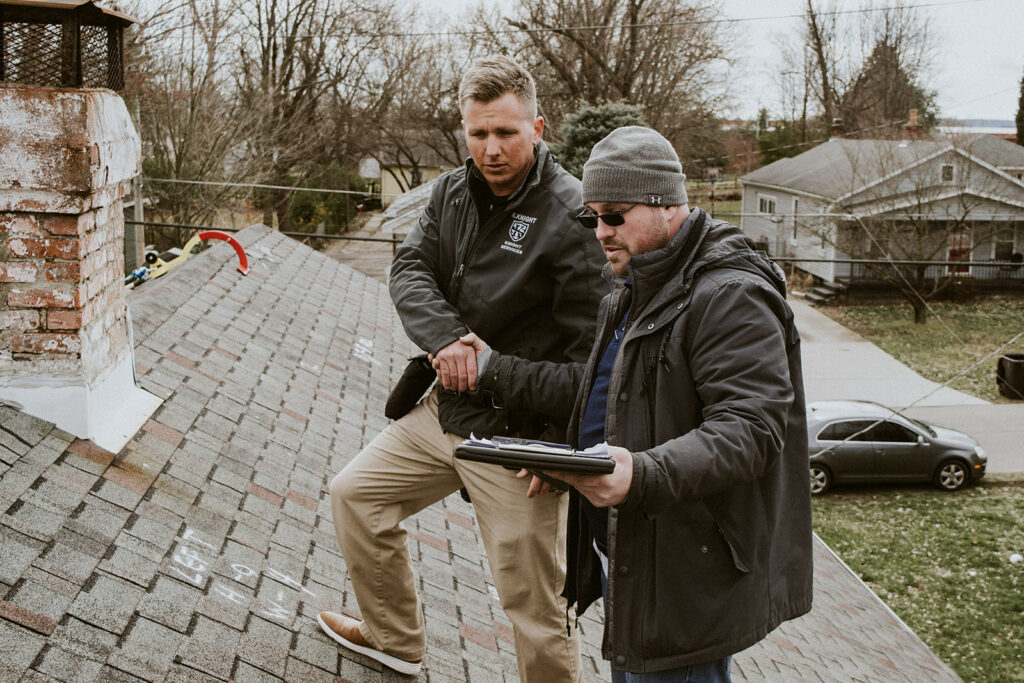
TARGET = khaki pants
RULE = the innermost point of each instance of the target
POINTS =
(410, 465)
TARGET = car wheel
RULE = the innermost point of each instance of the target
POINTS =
(951, 475)
(821, 479)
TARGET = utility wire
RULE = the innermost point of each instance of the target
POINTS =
(690, 22)
(290, 188)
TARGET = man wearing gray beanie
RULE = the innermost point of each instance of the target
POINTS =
(700, 539)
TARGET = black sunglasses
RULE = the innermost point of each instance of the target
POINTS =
(612, 218)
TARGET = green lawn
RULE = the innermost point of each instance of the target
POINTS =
(956, 337)
(941, 561)
(724, 211)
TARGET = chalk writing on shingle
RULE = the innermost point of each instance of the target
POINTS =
(189, 562)
(363, 350)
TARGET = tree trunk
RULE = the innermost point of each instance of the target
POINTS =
(919, 306)
(267, 201)
(284, 221)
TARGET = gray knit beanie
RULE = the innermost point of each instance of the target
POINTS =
(634, 164)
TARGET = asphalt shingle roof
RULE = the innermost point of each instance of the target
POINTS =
(205, 548)
(842, 165)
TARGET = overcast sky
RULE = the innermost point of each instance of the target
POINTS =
(979, 65)
(978, 69)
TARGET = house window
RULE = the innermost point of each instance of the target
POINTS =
(765, 204)
(1002, 244)
(947, 173)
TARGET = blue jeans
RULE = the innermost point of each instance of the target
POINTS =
(705, 672)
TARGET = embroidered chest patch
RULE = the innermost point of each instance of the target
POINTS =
(517, 231)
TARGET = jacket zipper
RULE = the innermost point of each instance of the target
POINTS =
(472, 242)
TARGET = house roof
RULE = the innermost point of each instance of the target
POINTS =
(205, 548)
(841, 166)
(74, 4)
(403, 213)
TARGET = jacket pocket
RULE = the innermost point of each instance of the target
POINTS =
(689, 598)
(740, 517)
(739, 557)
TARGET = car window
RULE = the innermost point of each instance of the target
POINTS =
(844, 429)
(891, 433)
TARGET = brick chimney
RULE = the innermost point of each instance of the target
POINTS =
(912, 130)
(67, 157)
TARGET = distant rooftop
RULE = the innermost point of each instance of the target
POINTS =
(842, 165)
(403, 213)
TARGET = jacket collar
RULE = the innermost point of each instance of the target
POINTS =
(701, 243)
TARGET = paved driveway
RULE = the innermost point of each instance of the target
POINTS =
(841, 364)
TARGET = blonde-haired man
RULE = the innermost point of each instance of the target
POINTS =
(498, 262)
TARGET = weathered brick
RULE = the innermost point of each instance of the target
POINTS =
(24, 247)
(64, 319)
(63, 272)
(45, 342)
(19, 272)
(57, 297)
(19, 224)
(19, 320)
(69, 225)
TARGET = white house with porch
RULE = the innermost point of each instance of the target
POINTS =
(966, 191)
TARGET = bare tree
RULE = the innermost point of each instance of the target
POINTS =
(409, 115)
(192, 125)
(887, 86)
(865, 69)
(822, 41)
(1020, 114)
(666, 56)
(294, 56)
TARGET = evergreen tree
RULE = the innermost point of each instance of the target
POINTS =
(587, 126)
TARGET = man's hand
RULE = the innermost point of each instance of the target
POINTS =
(603, 490)
(538, 486)
(456, 363)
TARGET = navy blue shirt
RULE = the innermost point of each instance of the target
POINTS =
(592, 425)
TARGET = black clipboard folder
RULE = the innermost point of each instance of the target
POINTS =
(535, 455)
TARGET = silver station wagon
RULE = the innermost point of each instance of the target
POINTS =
(862, 441)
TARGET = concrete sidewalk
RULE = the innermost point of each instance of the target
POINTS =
(840, 364)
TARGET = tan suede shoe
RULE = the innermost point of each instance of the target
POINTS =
(345, 631)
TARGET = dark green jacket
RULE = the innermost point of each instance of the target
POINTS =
(528, 283)
(711, 549)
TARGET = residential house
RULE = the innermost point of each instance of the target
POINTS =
(405, 167)
(961, 198)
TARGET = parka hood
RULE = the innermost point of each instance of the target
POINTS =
(701, 244)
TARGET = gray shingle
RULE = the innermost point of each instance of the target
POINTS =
(841, 165)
